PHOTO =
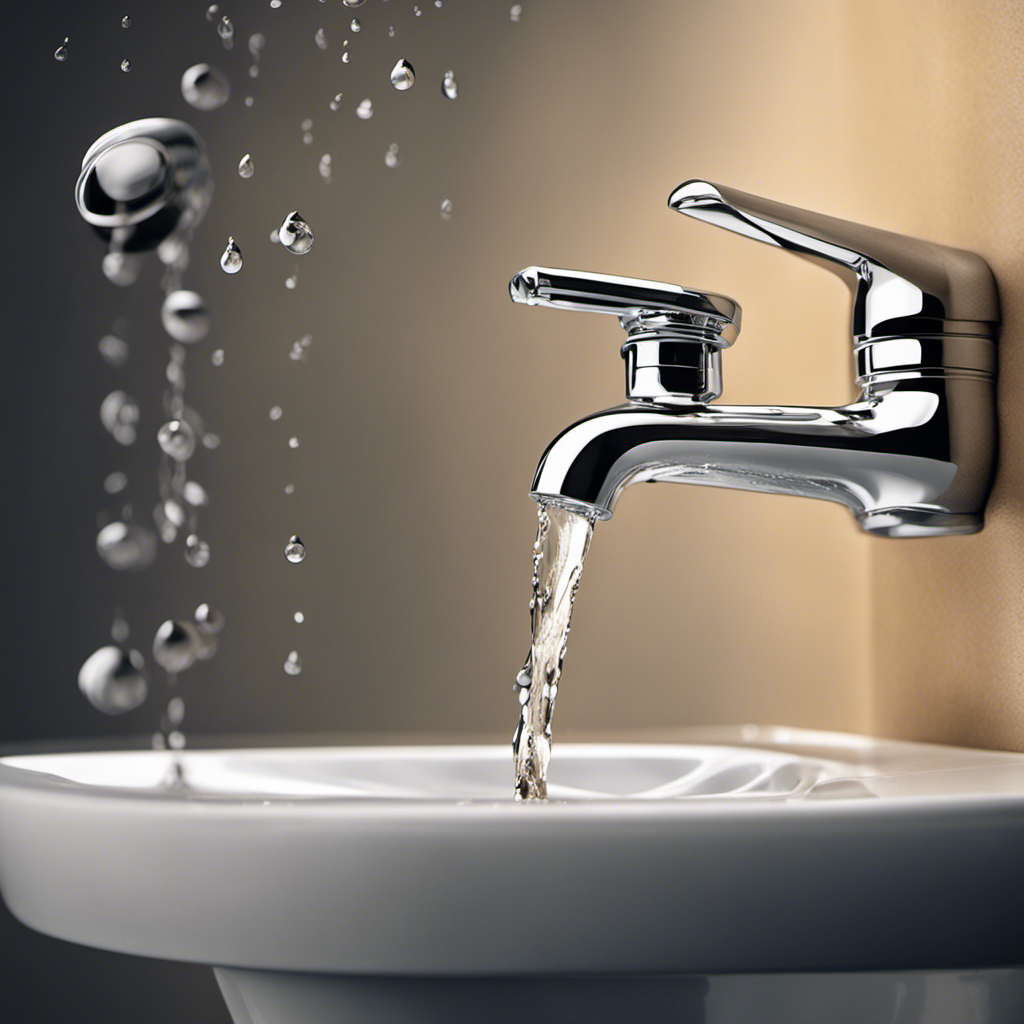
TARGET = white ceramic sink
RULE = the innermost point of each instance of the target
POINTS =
(734, 877)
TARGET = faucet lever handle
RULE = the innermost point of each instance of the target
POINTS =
(902, 286)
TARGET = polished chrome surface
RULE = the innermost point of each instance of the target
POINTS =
(913, 456)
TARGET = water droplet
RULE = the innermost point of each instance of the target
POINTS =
(256, 42)
(209, 619)
(231, 258)
(449, 86)
(321, 39)
(295, 234)
(391, 31)
(254, 71)
(365, 110)
(248, 101)
(298, 349)
(175, 711)
(336, 102)
(197, 551)
(204, 87)
(185, 316)
(121, 268)
(126, 22)
(211, 440)
(276, 412)
(113, 349)
(392, 158)
(307, 124)
(515, 12)
(218, 357)
(291, 283)
(293, 664)
(126, 546)
(293, 442)
(173, 512)
(275, 4)
(168, 531)
(176, 741)
(446, 209)
(294, 550)
(417, 12)
(299, 617)
(113, 680)
(175, 645)
(115, 483)
(126, 65)
(403, 75)
(177, 440)
(325, 167)
(225, 29)
(275, 236)
(346, 57)
(356, 25)
(307, 139)
(119, 627)
(246, 167)
(195, 494)
(61, 53)
(119, 413)
(289, 488)
(211, 11)
(353, 3)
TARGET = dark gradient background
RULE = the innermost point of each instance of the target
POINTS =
(427, 397)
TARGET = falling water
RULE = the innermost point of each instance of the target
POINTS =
(563, 539)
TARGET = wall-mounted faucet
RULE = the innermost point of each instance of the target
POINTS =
(912, 457)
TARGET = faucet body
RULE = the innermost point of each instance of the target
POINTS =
(913, 456)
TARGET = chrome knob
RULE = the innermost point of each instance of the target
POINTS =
(674, 335)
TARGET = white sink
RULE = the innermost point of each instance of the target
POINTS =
(747, 875)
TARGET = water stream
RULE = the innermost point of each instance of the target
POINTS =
(563, 539)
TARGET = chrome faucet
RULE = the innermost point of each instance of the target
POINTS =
(913, 457)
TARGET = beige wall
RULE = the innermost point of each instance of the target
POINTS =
(428, 397)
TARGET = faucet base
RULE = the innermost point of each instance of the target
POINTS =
(918, 522)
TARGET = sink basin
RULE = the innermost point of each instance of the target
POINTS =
(740, 875)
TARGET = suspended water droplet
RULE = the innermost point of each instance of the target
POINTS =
(119, 413)
(126, 547)
(299, 617)
(276, 412)
(115, 483)
(204, 87)
(121, 268)
(119, 627)
(392, 158)
(246, 167)
(113, 349)
(197, 551)
(289, 488)
(211, 440)
(126, 21)
(346, 57)
(113, 680)
(254, 71)
(365, 110)
(126, 65)
(321, 39)
(173, 512)
(515, 12)
(291, 283)
(209, 619)
(275, 236)
(417, 12)
(248, 101)
(168, 531)
(61, 53)
(211, 11)
(298, 350)
(294, 550)
(293, 442)
(185, 316)
(293, 664)
(218, 357)
(195, 494)
(307, 124)
(307, 139)
(296, 234)
(256, 42)
(177, 440)
(325, 167)
(225, 28)
(275, 4)
(175, 645)
(446, 209)
(231, 258)
(403, 75)
(175, 711)
(356, 25)
(391, 31)
(336, 102)
(176, 741)
(449, 86)
(353, 3)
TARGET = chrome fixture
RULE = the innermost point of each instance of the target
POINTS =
(913, 456)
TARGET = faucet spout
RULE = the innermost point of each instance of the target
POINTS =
(893, 458)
